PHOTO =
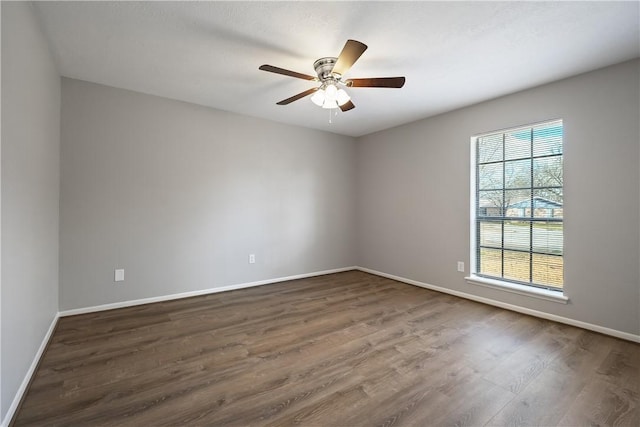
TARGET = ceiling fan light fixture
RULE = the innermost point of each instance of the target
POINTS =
(331, 92)
(318, 97)
(329, 104)
(342, 97)
(330, 72)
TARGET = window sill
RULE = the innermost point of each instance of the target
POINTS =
(545, 294)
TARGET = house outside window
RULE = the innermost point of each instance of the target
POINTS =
(517, 209)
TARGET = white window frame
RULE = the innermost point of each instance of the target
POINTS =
(473, 279)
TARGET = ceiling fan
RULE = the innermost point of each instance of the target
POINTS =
(330, 70)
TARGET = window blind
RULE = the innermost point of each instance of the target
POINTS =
(519, 205)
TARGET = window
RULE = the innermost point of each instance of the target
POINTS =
(518, 206)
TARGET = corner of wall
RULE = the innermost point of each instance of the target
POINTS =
(29, 199)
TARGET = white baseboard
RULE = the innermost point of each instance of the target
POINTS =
(27, 378)
(132, 303)
(584, 325)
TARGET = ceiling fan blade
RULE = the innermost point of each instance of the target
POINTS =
(298, 96)
(392, 82)
(347, 106)
(278, 70)
(351, 51)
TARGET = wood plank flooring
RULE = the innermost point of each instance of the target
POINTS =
(347, 349)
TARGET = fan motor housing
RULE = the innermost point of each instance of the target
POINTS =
(324, 66)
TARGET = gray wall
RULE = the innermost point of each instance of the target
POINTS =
(413, 194)
(178, 195)
(30, 190)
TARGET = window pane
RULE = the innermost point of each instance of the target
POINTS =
(518, 203)
(516, 266)
(548, 238)
(548, 203)
(517, 174)
(490, 203)
(490, 176)
(491, 262)
(547, 139)
(491, 234)
(516, 235)
(548, 270)
(517, 145)
(547, 172)
(490, 148)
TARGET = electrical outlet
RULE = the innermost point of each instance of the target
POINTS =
(252, 258)
(119, 275)
(461, 266)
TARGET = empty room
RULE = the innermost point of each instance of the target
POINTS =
(320, 213)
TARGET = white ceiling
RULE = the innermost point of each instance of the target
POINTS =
(453, 54)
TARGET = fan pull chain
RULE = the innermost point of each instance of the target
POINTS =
(335, 110)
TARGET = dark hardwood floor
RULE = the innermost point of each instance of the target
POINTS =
(347, 349)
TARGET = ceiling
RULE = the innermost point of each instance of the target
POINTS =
(453, 54)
